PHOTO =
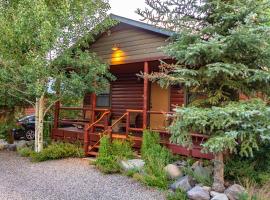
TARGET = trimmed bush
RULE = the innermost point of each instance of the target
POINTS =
(156, 158)
(58, 150)
(111, 153)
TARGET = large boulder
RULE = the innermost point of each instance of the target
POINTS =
(198, 193)
(134, 164)
(234, 191)
(218, 196)
(173, 171)
(184, 183)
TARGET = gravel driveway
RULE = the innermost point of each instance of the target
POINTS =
(64, 179)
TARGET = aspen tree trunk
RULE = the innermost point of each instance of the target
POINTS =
(39, 114)
(218, 184)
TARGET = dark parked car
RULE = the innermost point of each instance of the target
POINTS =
(25, 128)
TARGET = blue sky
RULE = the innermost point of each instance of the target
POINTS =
(126, 8)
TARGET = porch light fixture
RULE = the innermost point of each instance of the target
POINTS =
(115, 47)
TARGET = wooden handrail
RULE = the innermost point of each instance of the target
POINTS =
(94, 123)
(74, 108)
(159, 112)
(124, 115)
(134, 111)
(71, 122)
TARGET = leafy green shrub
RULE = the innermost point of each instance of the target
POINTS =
(110, 154)
(255, 169)
(205, 180)
(156, 158)
(177, 195)
(57, 151)
(25, 151)
(122, 149)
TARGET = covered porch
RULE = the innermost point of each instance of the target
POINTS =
(131, 105)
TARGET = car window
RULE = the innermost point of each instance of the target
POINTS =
(32, 119)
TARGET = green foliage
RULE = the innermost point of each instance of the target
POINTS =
(222, 48)
(57, 151)
(245, 196)
(37, 59)
(205, 180)
(156, 158)
(177, 195)
(32, 29)
(255, 169)
(25, 152)
(111, 153)
(122, 149)
(238, 126)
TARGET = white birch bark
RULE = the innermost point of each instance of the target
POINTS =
(36, 124)
(39, 124)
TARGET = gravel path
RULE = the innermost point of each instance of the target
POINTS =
(68, 179)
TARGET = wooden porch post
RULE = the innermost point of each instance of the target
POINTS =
(145, 95)
(57, 106)
(56, 114)
(94, 102)
(86, 131)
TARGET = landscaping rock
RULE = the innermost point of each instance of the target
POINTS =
(2, 147)
(203, 172)
(234, 191)
(134, 164)
(214, 193)
(180, 163)
(206, 188)
(196, 164)
(198, 193)
(220, 196)
(3, 144)
(184, 183)
(11, 147)
(21, 144)
(173, 171)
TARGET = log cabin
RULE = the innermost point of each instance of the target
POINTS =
(131, 104)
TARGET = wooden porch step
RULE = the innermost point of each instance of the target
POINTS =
(93, 147)
(92, 153)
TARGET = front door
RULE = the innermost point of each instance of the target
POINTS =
(159, 102)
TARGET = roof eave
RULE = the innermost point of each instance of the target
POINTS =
(143, 25)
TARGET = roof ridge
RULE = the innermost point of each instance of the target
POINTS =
(142, 25)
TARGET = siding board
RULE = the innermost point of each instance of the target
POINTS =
(127, 93)
(135, 44)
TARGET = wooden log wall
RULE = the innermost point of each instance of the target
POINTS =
(126, 93)
(177, 96)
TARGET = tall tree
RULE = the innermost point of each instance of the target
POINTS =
(221, 48)
(35, 32)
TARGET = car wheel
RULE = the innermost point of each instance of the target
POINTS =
(30, 134)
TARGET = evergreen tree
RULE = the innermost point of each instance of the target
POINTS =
(221, 48)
